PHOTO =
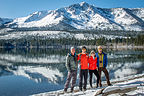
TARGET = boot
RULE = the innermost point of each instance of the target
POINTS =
(97, 86)
(84, 89)
(71, 89)
(80, 89)
(65, 90)
(100, 85)
(110, 84)
(91, 86)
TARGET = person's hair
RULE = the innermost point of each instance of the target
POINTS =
(92, 52)
(99, 47)
(72, 48)
(83, 47)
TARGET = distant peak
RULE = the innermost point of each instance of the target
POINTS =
(84, 4)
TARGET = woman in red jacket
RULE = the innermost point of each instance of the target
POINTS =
(93, 67)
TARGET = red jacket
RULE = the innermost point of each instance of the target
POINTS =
(83, 60)
(92, 63)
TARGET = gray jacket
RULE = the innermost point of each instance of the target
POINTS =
(71, 62)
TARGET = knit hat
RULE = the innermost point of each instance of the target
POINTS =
(83, 47)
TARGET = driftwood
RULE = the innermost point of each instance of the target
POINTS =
(122, 92)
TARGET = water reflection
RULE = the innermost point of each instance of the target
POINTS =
(43, 70)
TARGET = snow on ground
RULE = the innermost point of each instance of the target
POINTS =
(54, 34)
(134, 86)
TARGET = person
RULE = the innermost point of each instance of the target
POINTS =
(71, 65)
(93, 68)
(83, 58)
(102, 64)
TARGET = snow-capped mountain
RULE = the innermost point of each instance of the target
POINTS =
(84, 16)
(4, 20)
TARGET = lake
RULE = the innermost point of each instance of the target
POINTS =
(30, 71)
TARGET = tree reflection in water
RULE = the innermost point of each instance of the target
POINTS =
(46, 67)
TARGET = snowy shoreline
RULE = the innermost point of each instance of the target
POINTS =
(131, 85)
(114, 46)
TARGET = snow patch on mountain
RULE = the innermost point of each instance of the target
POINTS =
(84, 16)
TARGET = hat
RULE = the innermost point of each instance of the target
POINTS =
(83, 47)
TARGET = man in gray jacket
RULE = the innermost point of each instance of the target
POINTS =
(71, 65)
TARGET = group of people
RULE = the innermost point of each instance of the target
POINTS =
(93, 63)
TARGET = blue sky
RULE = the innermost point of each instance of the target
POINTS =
(21, 8)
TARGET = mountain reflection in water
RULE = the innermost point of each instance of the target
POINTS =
(32, 71)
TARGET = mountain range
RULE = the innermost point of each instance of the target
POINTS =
(82, 16)
(4, 21)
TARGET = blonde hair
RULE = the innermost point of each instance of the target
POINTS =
(92, 52)
(99, 47)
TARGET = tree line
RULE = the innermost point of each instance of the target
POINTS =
(36, 41)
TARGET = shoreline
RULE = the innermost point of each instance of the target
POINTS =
(119, 47)
(103, 90)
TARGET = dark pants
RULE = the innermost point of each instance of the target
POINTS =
(96, 74)
(83, 74)
(73, 75)
(106, 74)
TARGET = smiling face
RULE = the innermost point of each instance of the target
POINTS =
(83, 50)
(73, 50)
(100, 49)
(92, 54)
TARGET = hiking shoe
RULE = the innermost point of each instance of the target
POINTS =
(100, 85)
(71, 90)
(97, 86)
(80, 89)
(91, 86)
(84, 89)
(109, 84)
(65, 90)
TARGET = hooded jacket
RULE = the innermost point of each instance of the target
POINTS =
(71, 62)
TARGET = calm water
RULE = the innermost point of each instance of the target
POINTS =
(30, 71)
